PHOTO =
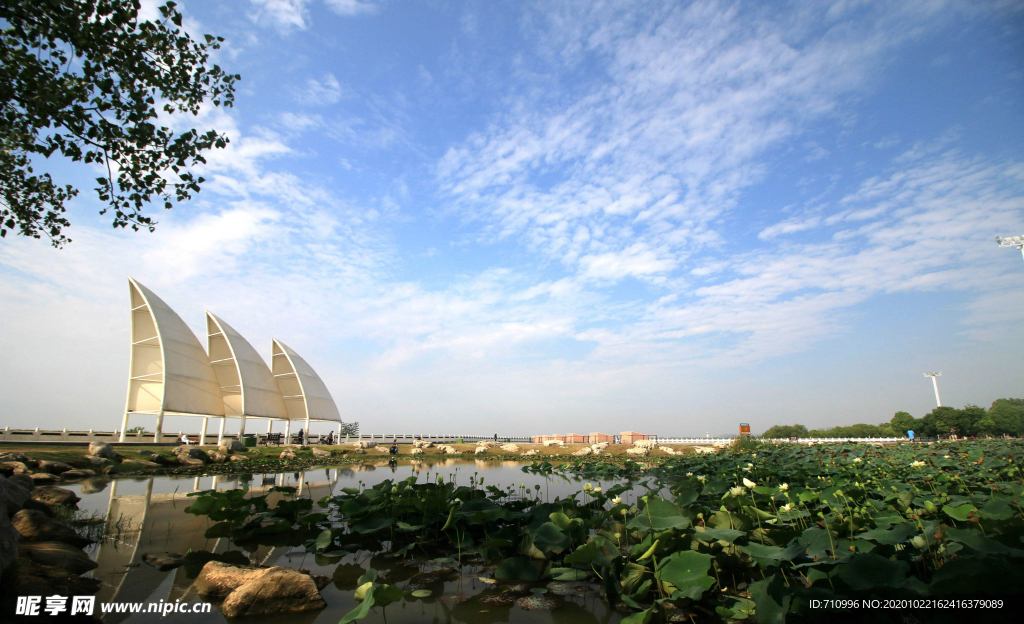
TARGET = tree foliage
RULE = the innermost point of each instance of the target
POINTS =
(87, 80)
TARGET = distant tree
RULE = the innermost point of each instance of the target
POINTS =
(902, 422)
(1008, 416)
(86, 80)
(786, 431)
(351, 429)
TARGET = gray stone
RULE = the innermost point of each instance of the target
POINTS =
(238, 458)
(44, 478)
(278, 590)
(55, 467)
(59, 555)
(102, 449)
(34, 526)
(132, 463)
(217, 457)
(190, 461)
(41, 507)
(191, 452)
(164, 561)
(230, 446)
(77, 475)
(164, 460)
(12, 496)
(9, 468)
(146, 452)
(96, 460)
(24, 480)
(14, 456)
(287, 455)
(55, 496)
(321, 453)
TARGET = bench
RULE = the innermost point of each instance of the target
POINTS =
(273, 438)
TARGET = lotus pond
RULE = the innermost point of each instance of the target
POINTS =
(754, 535)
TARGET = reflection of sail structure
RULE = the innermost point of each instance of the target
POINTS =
(304, 392)
(247, 385)
(170, 372)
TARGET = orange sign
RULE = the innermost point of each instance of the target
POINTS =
(744, 430)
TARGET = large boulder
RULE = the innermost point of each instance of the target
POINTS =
(416, 451)
(34, 579)
(43, 478)
(586, 450)
(480, 450)
(34, 526)
(164, 561)
(363, 444)
(647, 444)
(641, 451)
(190, 452)
(102, 449)
(321, 453)
(55, 496)
(12, 496)
(138, 463)
(9, 468)
(14, 456)
(8, 534)
(238, 458)
(54, 467)
(422, 444)
(24, 480)
(287, 455)
(217, 457)
(510, 448)
(163, 460)
(217, 580)
(59, 555)
(230, 446)
(279, 590)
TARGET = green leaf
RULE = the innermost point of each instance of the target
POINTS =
(384, 595)
(517, 568)
(688, 572)
(770, 600)
(324, 540)
(421, 593)
(897, 535)
(362, 610)
(959, 512)
(869, 570)
(996, 509)
(549, 538)
(561, 520)
(631, 577)
(641, 617)
(362, 591)
(567, 574)
(981, 544)
(586, 553)
(221, 529)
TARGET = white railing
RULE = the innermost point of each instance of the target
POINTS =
(711, 441)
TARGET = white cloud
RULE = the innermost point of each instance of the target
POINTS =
(285, 15)
(352, 7)
(325, 91)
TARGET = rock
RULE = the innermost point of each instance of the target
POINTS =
(287, 455)
(700, 450)
(358, 451)
(416, 451)
(637, 450)
(93, 485)
(217, 580)
(669, 450)
(480, 450)
(55, 467)
(34, 526)
(217, 457)
(190, 452)
(554, 443)
(321, 453)
(33, 579)
(14, 456)
(363, 444)
(12, 496)
(448, 450)
(382, 449)
(238, 458)
(163, 460)
(24, 480)
(422, 444)
(510, 448)
(59, 555)
(486, 443)
(530, 452)
(586, 450)
(40, 507)
(96, 460)
(599, 446)
(9, 468)
(191, 461)
(102, 449)
(44, 478)
(303, 447)
(647, 444)
(77, 475)
(279, 590)
(164, 561)
(230, 446)
(139, 463)
(146, 452)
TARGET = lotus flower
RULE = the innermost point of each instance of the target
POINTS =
(783, 487)
(786, 507)
(747, 482)
(597, 490)
(917, 464)
(616, 500)
(857, 460)
(737, 491)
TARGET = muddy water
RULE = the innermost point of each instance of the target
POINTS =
(151, 518)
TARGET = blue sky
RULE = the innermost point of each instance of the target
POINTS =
(523, 217)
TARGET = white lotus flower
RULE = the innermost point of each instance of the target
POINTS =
(747, 482)
(737, 491)
(702, 478)
(597, 490)
(786, 507)
(857, 460)
(690, 474)
(917, 464)
(783, 487)
(616, 500)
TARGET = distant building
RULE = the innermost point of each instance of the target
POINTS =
(576, 438)
(597, 438)
(629, 437)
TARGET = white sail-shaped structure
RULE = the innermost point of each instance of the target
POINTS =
(246, 383)
(305, 394)
(170, 372)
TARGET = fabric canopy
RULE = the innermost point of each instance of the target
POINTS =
(305, 394)
(248, 386)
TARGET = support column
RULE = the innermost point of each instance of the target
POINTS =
(220, 433)
(305, 436)
(159, 426)
(270, 426)
(124, 427)
(202, 432)
(288, 432)
(241, 429)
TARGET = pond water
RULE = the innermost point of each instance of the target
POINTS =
(152, 520)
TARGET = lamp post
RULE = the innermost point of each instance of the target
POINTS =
(1016, 242)
(936, 384)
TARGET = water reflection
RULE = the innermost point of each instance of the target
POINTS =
(150, 518)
